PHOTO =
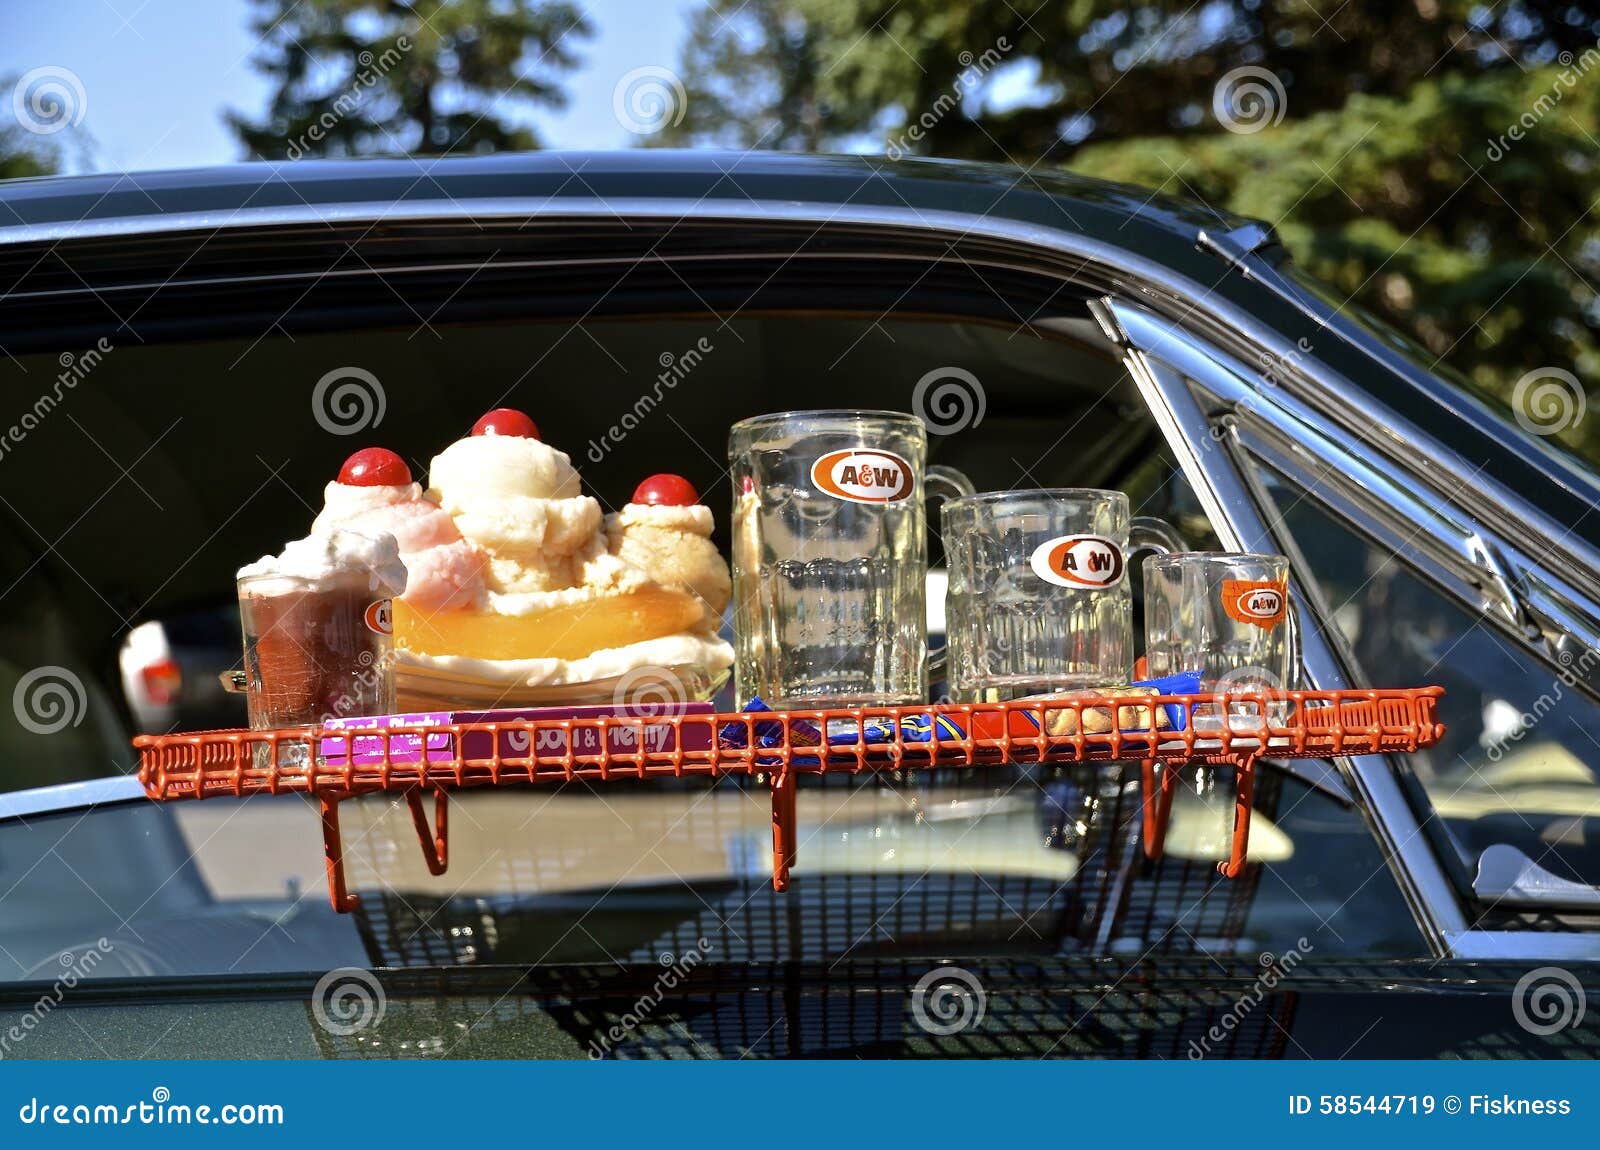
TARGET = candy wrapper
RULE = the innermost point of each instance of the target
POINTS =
(1097, 720)
(878, 732)
(878, 729)
(661, 736)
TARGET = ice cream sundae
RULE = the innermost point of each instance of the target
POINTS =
(517, 578)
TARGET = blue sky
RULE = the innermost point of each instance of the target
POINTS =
(157, 74)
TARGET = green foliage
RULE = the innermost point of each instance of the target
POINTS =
(21, 156)
(24, 153)
(355, 77)
(1386, 162)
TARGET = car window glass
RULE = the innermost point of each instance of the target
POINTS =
(1014, 858)
(1520, 757)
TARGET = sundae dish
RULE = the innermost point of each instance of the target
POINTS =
(317, 628)
(517, 579)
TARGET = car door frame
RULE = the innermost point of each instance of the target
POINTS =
(1212, 409)
(1186, 304)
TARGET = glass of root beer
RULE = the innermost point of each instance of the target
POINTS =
(318, 635)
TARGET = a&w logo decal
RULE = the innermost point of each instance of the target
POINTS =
(379, 616)
(862, 475)
(1082, 561)
(1261, 604)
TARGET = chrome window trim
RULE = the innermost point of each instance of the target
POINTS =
(1465, 547)
(1166, 360)
(1161, 360)
(70, 796)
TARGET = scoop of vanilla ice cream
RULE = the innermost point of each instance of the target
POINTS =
(520, 501)
(673, 546)
(445, 571)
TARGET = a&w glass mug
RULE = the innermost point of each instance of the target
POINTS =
(1039, 595)
(830, 557)
(1227, 616)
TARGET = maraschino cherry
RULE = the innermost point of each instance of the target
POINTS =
(666, 491)
(374, 467)
(506, 421)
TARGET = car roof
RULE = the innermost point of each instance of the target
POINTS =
(1152, 225)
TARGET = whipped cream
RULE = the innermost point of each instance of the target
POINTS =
(335, 558)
